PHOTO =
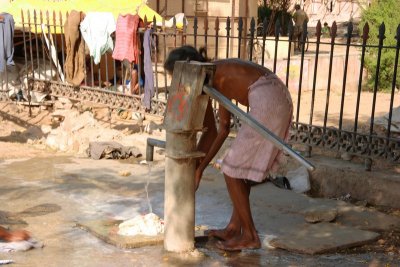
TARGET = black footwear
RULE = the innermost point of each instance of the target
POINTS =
(281, 182)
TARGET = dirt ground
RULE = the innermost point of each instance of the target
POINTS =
(21, 137)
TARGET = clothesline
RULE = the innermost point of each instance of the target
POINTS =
(95, 30)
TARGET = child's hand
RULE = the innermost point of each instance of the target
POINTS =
(197, 178)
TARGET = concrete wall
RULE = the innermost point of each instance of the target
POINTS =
(338, 63)
(216, 8)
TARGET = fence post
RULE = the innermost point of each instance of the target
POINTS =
(184, 117)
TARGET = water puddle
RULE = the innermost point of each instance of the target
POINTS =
(34, 168)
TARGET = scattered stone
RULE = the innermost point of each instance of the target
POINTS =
(124, 173)
(45, 129)
(381, 242)
(345, 198)
(362, 203)
(57, 118)
(321, 214)
(346, 156)
(124, 114)
(33, 132)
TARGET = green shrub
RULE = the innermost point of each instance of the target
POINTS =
(386, 11)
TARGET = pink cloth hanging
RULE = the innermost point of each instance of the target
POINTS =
(126, 46)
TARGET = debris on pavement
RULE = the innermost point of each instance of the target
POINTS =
(4, 262)
(124, 173)
(111, 150)
(23, 245)
(321, 214)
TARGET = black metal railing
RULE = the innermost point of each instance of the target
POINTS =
(334, 108)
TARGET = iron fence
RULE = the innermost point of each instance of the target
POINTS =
(334, 109)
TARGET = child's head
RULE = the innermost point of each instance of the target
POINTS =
(325, 23)
(184, 53)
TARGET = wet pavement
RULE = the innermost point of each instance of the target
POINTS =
(49, 195)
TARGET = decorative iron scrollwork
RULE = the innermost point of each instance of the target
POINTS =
(109, 98)
(356, 143)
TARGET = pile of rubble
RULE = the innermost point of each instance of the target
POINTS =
(78, 129)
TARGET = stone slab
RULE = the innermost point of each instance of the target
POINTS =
(322, 238)
(291, 203)
(106, 230)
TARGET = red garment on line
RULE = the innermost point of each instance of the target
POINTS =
(126, 46)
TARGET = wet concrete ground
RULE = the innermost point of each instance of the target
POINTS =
(49, 195)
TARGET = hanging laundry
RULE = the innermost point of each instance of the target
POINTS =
(148, 70)
(75, 48)
(96, 29)
(6, 41)
(126, 45)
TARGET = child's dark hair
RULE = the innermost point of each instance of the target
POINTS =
(186, 52)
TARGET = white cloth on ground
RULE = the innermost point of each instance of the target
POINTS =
(24, 245)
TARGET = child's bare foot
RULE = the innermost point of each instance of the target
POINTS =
(223, 234)
(239, 243)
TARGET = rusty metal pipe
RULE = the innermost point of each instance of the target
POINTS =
(151, 143)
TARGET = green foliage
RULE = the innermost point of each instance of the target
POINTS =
(386, 11)
(275, 10)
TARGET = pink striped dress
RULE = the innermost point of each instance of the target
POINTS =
(125, 38)
(251, 156)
